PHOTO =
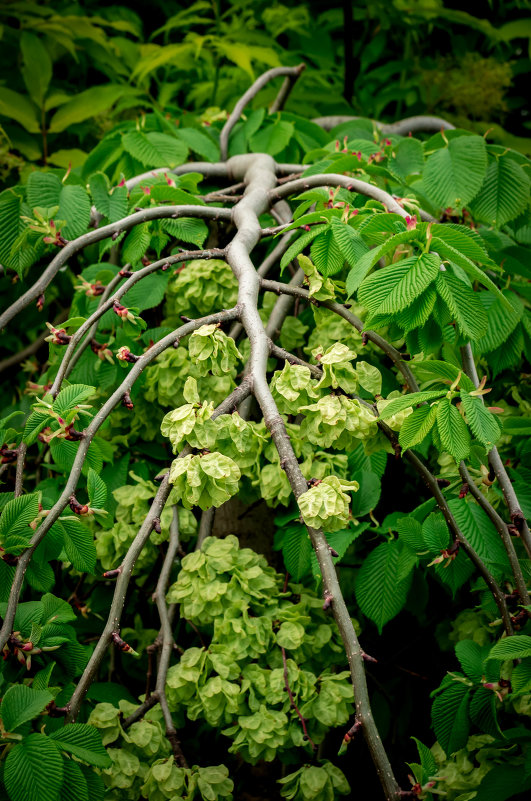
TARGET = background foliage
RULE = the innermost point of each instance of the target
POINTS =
(102, 94)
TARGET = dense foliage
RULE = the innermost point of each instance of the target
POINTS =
(240, 432)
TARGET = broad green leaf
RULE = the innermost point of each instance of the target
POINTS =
(199, 143)
(96, 489)
(368, 495)
(409, 158)
(74, 207)
(516, 647)
(478, 530)
(79, 545)
(70, 397)
(298, 246)
(410, 531)
(187, 230)
(367, 262)
(34, 770)
(470, 656)
(454, 174)
(379, 594)
(348, 241)
(464, 305)
(74, 782)
(411, 399)
(417, 426)
(22, 703)
(297, 550)
(435, 532)
(326, 254)
(483, 708)
(84, 742)
(502, 783)
(464, 239)
(482, 423)
(136, 243)
(501, 322)
(452, 429)
(17, 107)
(37, 420)
(392, 288)
(442, 373)
(446, 251)
(155, 149)
(87, 104)
(450, 717)
(18, 514)
(11, 255)
(504, 194)
(417, 314)
(272, 138)
(36, 68)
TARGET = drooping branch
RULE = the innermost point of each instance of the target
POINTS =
(73, 247)
(338, 308)
(246, 98)
(258, 172)
(400, 128)
(75, 472)
(137, 276)
(511, 499)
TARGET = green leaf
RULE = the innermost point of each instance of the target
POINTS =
(155, 149)
(454, 174)
(483, 423)
(379, 594)
(34, 770)
(272, 138)
(199, 143)
(74, 207)
(367, 262)
(470, 656)
(409, 158)
(467, 241)
(504, 194)
(97, 491)
(446, 251)
(516, 647)
(296, 550)
(412, 399)
(348, 241)
(187, 230)
(298, 246)
(410, 531)
(417, 314)
(502, 783)
(464, 305)
(393, 288)
(22, 703)
(450, 717)
(70, 397)
(20, 258)
(43, 190)
(18, 107)
(452, 429)
(147, 293)
(483, 709)
(84, 742)
(368, 495)
(441, 372)
(417, 426)
(478, 530)
(74, 782)
(36, 68)
(326, 254)
(55, 610)
(18, 514)
(501, 322)
(79, 545)
(435, 532)
(37, 420)
(88, 104)
(136, 243)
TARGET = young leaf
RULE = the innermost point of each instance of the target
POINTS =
(412, 399)
(79, 545)
(417, 426)
(379, 594)
(435, 532)
(24, 776)
(296, 550)
(97, 491)
(84, 742)
(70, 397)
(22, 703)
(452, 429)
(18, 514)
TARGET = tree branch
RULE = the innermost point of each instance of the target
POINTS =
(285, 90)
(253, 90)
(400, 128)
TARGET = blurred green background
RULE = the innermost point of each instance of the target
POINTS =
(71, 70)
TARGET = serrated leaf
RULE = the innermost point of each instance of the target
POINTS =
(74, 207)
(452, 429)
(70, 397)
(22, 703)
(380, 596)
(79, 545)
(478, 530)
(410, 531)
(199, 143)
(24, 777)
(427, 760)
(348, 241)
(18, 514)
(187, 230)
(504, 193)
(417, 426)
(453, 175)
(483, 710)
(450, 717)
(435, 532)
(367, 262)
(37, 420)
(326, 254)
(155, 149)
(84, 742)
(470, 656)
(74, 782)
(298, 246)
(442, 372)
(55, 610)
(415, 315)
(136, 243)
(392, 288)
(482, 423)
(87, 104)
(516, 647)
(474, 272)
(147, 293)
(501, 322)
(396, 405)
(97, 491)
(464, 305)
(409, 158)
(296, 551)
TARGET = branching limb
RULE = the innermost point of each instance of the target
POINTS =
(511, 499)
(108, 303)
(73, 247)
(285, 91)
(400, 128)
(342, 311)
(502, 530)
(79, 460)
(253, 90)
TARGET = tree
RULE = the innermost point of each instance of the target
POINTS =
(407, 253)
